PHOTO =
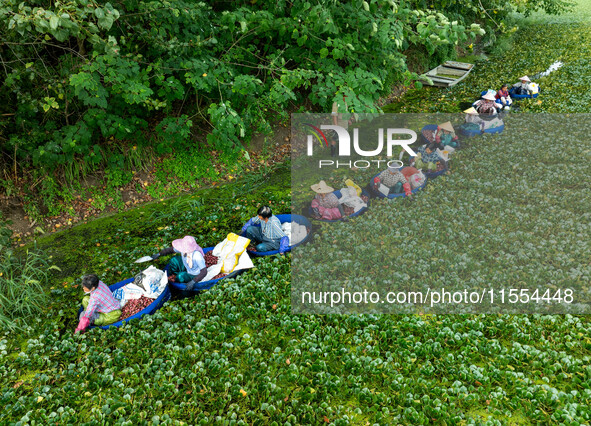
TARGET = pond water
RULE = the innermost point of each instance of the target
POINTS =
(556, 65)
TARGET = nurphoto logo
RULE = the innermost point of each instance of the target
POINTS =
(343, 140)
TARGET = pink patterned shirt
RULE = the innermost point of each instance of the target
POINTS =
(101, 301)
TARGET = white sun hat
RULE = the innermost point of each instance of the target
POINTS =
(525, 77)
(489, 96)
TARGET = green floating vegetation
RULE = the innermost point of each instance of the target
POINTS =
(530, 51)
(237, 355)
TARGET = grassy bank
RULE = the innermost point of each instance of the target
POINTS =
(208, 214)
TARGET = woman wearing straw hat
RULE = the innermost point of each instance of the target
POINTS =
(487, 104)
(395, 180)
(325, 204)
(473, 121)
(521, 88)
(189, 266)
(445, 135)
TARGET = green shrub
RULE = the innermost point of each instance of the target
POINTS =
(236, 66)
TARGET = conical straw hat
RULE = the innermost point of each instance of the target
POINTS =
(489, 96)
(322, 188)
(447, 126)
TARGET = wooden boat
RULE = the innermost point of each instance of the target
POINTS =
(448, 74)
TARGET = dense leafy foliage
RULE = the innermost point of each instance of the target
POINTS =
(5, 233)
(87, 80)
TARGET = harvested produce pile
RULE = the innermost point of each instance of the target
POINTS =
(210, 259)
(429, 135)
(348, 210)
(134, 306)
